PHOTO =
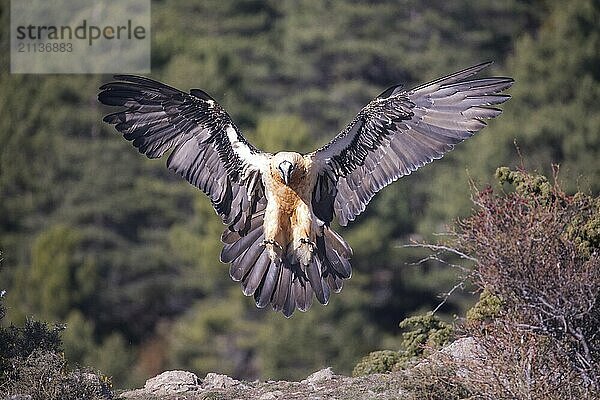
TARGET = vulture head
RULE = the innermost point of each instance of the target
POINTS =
(287, 166)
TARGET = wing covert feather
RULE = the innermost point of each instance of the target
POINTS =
(207, 148)
(397, 133)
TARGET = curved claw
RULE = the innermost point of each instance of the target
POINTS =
(274, 249)
(272, 243)
(308, 242)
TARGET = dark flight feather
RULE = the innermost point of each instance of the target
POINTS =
(399, 132)
(158, 118)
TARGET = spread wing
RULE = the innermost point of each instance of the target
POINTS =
(398, 132)
(209, 150)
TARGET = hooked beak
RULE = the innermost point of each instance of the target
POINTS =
(285, 169)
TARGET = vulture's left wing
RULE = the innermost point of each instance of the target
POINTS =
(209, 150)
(398, 132)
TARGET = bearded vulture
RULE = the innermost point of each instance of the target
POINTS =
(278, 208)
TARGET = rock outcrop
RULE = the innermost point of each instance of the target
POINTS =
(410, 383)
(321, 385)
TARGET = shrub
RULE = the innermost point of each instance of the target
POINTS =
(534, 333)
(434, 381)
(538, 264)
(423, 333)
(32, 364)
(488, 307)
(426, 332)
(43, 375)
(377, 362)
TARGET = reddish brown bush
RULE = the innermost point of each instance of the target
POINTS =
(536, 249)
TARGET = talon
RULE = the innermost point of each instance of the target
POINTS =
(308, 242)
(271, 242)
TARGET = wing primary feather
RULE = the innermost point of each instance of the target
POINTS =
(455, 77)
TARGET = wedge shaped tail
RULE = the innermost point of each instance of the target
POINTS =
(285, 283)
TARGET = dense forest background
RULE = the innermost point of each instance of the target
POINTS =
(125, 253)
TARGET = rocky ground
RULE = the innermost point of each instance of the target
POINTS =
(321, 385)
(324, 384)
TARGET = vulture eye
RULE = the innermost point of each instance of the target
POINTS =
(285, 169)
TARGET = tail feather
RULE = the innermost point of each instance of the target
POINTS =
(340, 264)
(240, 269)
(309, 298)
(337, 243)
(338, 253)
(285, 284)
(290, 302)
(252, 281)
(299, 291)
(230, 236)
(283, 288)
(245, 252)
(264, 293)
(232, 251)
(241, 266)
(303, 294)
(314, 273)
(334, 282)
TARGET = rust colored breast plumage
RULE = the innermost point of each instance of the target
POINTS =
(290, 215)
(289, 199)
